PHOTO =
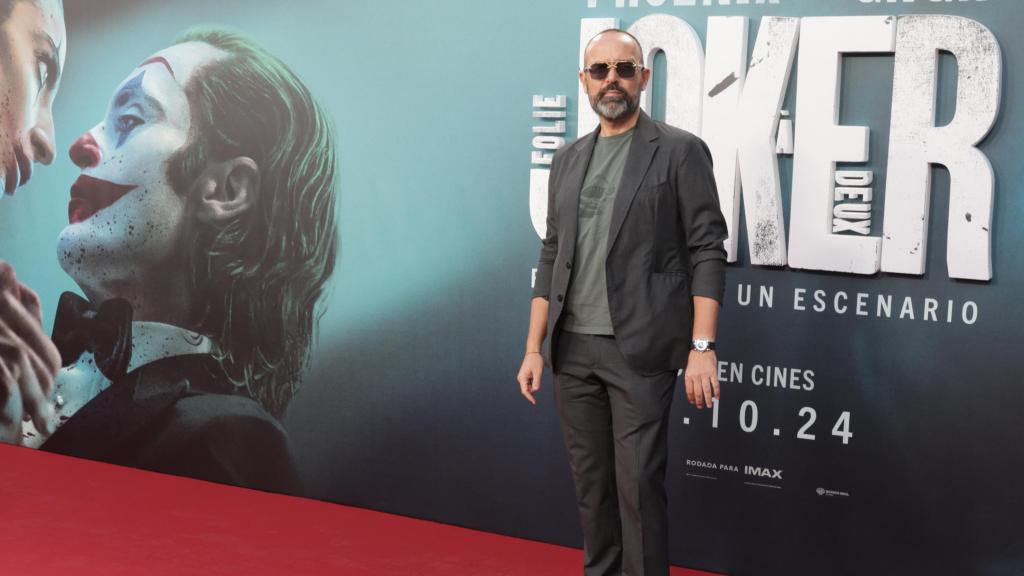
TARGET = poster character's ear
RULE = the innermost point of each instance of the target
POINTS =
(227, 189)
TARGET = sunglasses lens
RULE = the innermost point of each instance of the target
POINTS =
(625, 69)
(599, 71)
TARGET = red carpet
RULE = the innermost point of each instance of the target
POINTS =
(68, 516)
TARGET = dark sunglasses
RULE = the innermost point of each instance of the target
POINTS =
(624, 68)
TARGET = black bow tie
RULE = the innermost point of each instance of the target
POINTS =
(106, 332)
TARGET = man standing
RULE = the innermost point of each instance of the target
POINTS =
(629, 282)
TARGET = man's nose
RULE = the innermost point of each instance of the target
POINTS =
(85, 152)
(41, 138)
(613, 75)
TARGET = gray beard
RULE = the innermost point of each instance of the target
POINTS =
(614, 109)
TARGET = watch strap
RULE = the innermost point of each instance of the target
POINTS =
(702, 345)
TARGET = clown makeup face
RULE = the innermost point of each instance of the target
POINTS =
(126, 222)
(32, 51)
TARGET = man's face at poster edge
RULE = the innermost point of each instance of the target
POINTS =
(33, 47)
(126, 220)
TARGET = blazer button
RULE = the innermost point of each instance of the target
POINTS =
(568, 265)
(560, 297)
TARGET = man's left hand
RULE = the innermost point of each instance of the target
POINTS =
(29, 361)
(701, 378)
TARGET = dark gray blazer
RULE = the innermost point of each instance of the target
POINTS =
(665, 222)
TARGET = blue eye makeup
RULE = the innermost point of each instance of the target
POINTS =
(125, 124)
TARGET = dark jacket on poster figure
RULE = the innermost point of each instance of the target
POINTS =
(665, 222)
(181, 415)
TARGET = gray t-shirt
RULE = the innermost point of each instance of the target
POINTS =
(586, 310)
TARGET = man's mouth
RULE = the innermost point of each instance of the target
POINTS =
(18, 171)
(90, 195)
(9, 178)
(613, 91)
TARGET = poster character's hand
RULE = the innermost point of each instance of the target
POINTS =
(29, 361)
(701, 378)
(529, 375)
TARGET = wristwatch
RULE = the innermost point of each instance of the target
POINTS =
(702, 345)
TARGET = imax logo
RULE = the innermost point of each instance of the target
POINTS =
(763, 472)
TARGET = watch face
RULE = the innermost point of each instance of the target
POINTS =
(700, 345)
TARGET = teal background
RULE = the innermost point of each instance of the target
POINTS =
(410, 405)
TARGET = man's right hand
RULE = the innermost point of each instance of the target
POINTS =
(29, 361)
(529, 375)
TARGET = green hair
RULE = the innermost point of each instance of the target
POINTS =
(260, 276)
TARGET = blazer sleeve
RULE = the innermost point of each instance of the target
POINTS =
(549, 246)
(702, 220)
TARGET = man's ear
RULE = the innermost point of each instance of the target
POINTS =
(226, 190)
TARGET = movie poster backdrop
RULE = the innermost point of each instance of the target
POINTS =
(866, 159)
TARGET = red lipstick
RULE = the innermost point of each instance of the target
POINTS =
(90, 195)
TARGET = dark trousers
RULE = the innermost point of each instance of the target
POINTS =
(615, 426)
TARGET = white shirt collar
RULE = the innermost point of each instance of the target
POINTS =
(82, 381)
(152, 341)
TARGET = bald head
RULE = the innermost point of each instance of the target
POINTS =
(613, 77)
(614, 41)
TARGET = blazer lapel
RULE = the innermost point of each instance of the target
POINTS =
(576, 171)
(641, 152)
(102, 426)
